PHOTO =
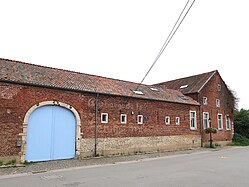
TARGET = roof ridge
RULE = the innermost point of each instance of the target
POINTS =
(186, 77)
(70, 71)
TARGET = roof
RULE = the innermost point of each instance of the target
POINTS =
(36, 75)
(187, 85)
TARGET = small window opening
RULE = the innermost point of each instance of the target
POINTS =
(140, 119)
(138, 92)
(154, 89)
(123, 118)
(184, 86)
(104, 118)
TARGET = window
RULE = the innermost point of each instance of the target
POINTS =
(193, 121)
(219, 87)
(228, 123)
(167, 120)
(177, 120)
(104, 118)
(154, 89)
(220, 123)
(217, 103)
(123, 118)
(205, 100)
(205, 120)
(140, 119)
(184, 86)
(138, 92)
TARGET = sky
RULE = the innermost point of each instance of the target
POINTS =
(120, 39)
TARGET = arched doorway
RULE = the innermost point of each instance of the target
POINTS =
(51, 131)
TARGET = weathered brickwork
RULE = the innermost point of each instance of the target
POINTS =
(16, 100)
(226, 107)
(211, 92)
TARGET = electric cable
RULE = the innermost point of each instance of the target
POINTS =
(170, 36)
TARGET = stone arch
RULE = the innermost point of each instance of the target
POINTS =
(23, 135)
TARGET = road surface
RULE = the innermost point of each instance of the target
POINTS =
(227, 167)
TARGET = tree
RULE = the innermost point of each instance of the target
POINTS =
(241, 123)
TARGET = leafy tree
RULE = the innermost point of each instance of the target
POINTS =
(241, 123)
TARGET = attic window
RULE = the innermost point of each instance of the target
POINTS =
(219, 87)
(154, 89)
(138, 92)
(184, 86)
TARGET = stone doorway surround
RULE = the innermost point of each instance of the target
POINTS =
(23, 135)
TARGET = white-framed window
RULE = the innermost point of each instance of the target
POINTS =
(193, 120)
(104, 118)
(123, 118)
(177, 120)
(140, 119)
(228, 123)
(167, 120)
(219, 87)
(205, 120)
(217, 103)
(205, 100)
(220, 122)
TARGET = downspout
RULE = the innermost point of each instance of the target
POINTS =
(96, 124)
(201, 125)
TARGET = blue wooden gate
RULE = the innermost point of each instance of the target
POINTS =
(51, 134)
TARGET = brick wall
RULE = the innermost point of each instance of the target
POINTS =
(16, 100)
(211, 92)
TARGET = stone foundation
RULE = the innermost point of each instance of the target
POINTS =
(131, 145)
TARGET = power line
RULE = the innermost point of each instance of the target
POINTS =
(170, 36)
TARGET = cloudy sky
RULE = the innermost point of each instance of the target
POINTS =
(121, 38)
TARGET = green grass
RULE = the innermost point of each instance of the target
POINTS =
(11, 162)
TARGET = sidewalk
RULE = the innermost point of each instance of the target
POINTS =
(41, 167)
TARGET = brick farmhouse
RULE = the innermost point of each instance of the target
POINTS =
(48, 113)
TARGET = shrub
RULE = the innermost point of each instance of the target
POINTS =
(241, 123)
(1, 162)
(240, 140)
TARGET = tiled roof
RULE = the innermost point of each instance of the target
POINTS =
(24, 73)
(186, 85)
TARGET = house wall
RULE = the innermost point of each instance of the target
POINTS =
(113, 137)
(226, 107)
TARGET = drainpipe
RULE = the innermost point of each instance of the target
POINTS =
(96, 125)
(199, 101)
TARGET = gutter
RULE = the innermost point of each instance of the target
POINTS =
(201, 125)
(96, 124)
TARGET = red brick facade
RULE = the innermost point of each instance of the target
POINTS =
(206, 85)
(16, 100)
(211, 92)
(26, 87)
(226, 108)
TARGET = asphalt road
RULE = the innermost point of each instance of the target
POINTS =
(227, 167)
